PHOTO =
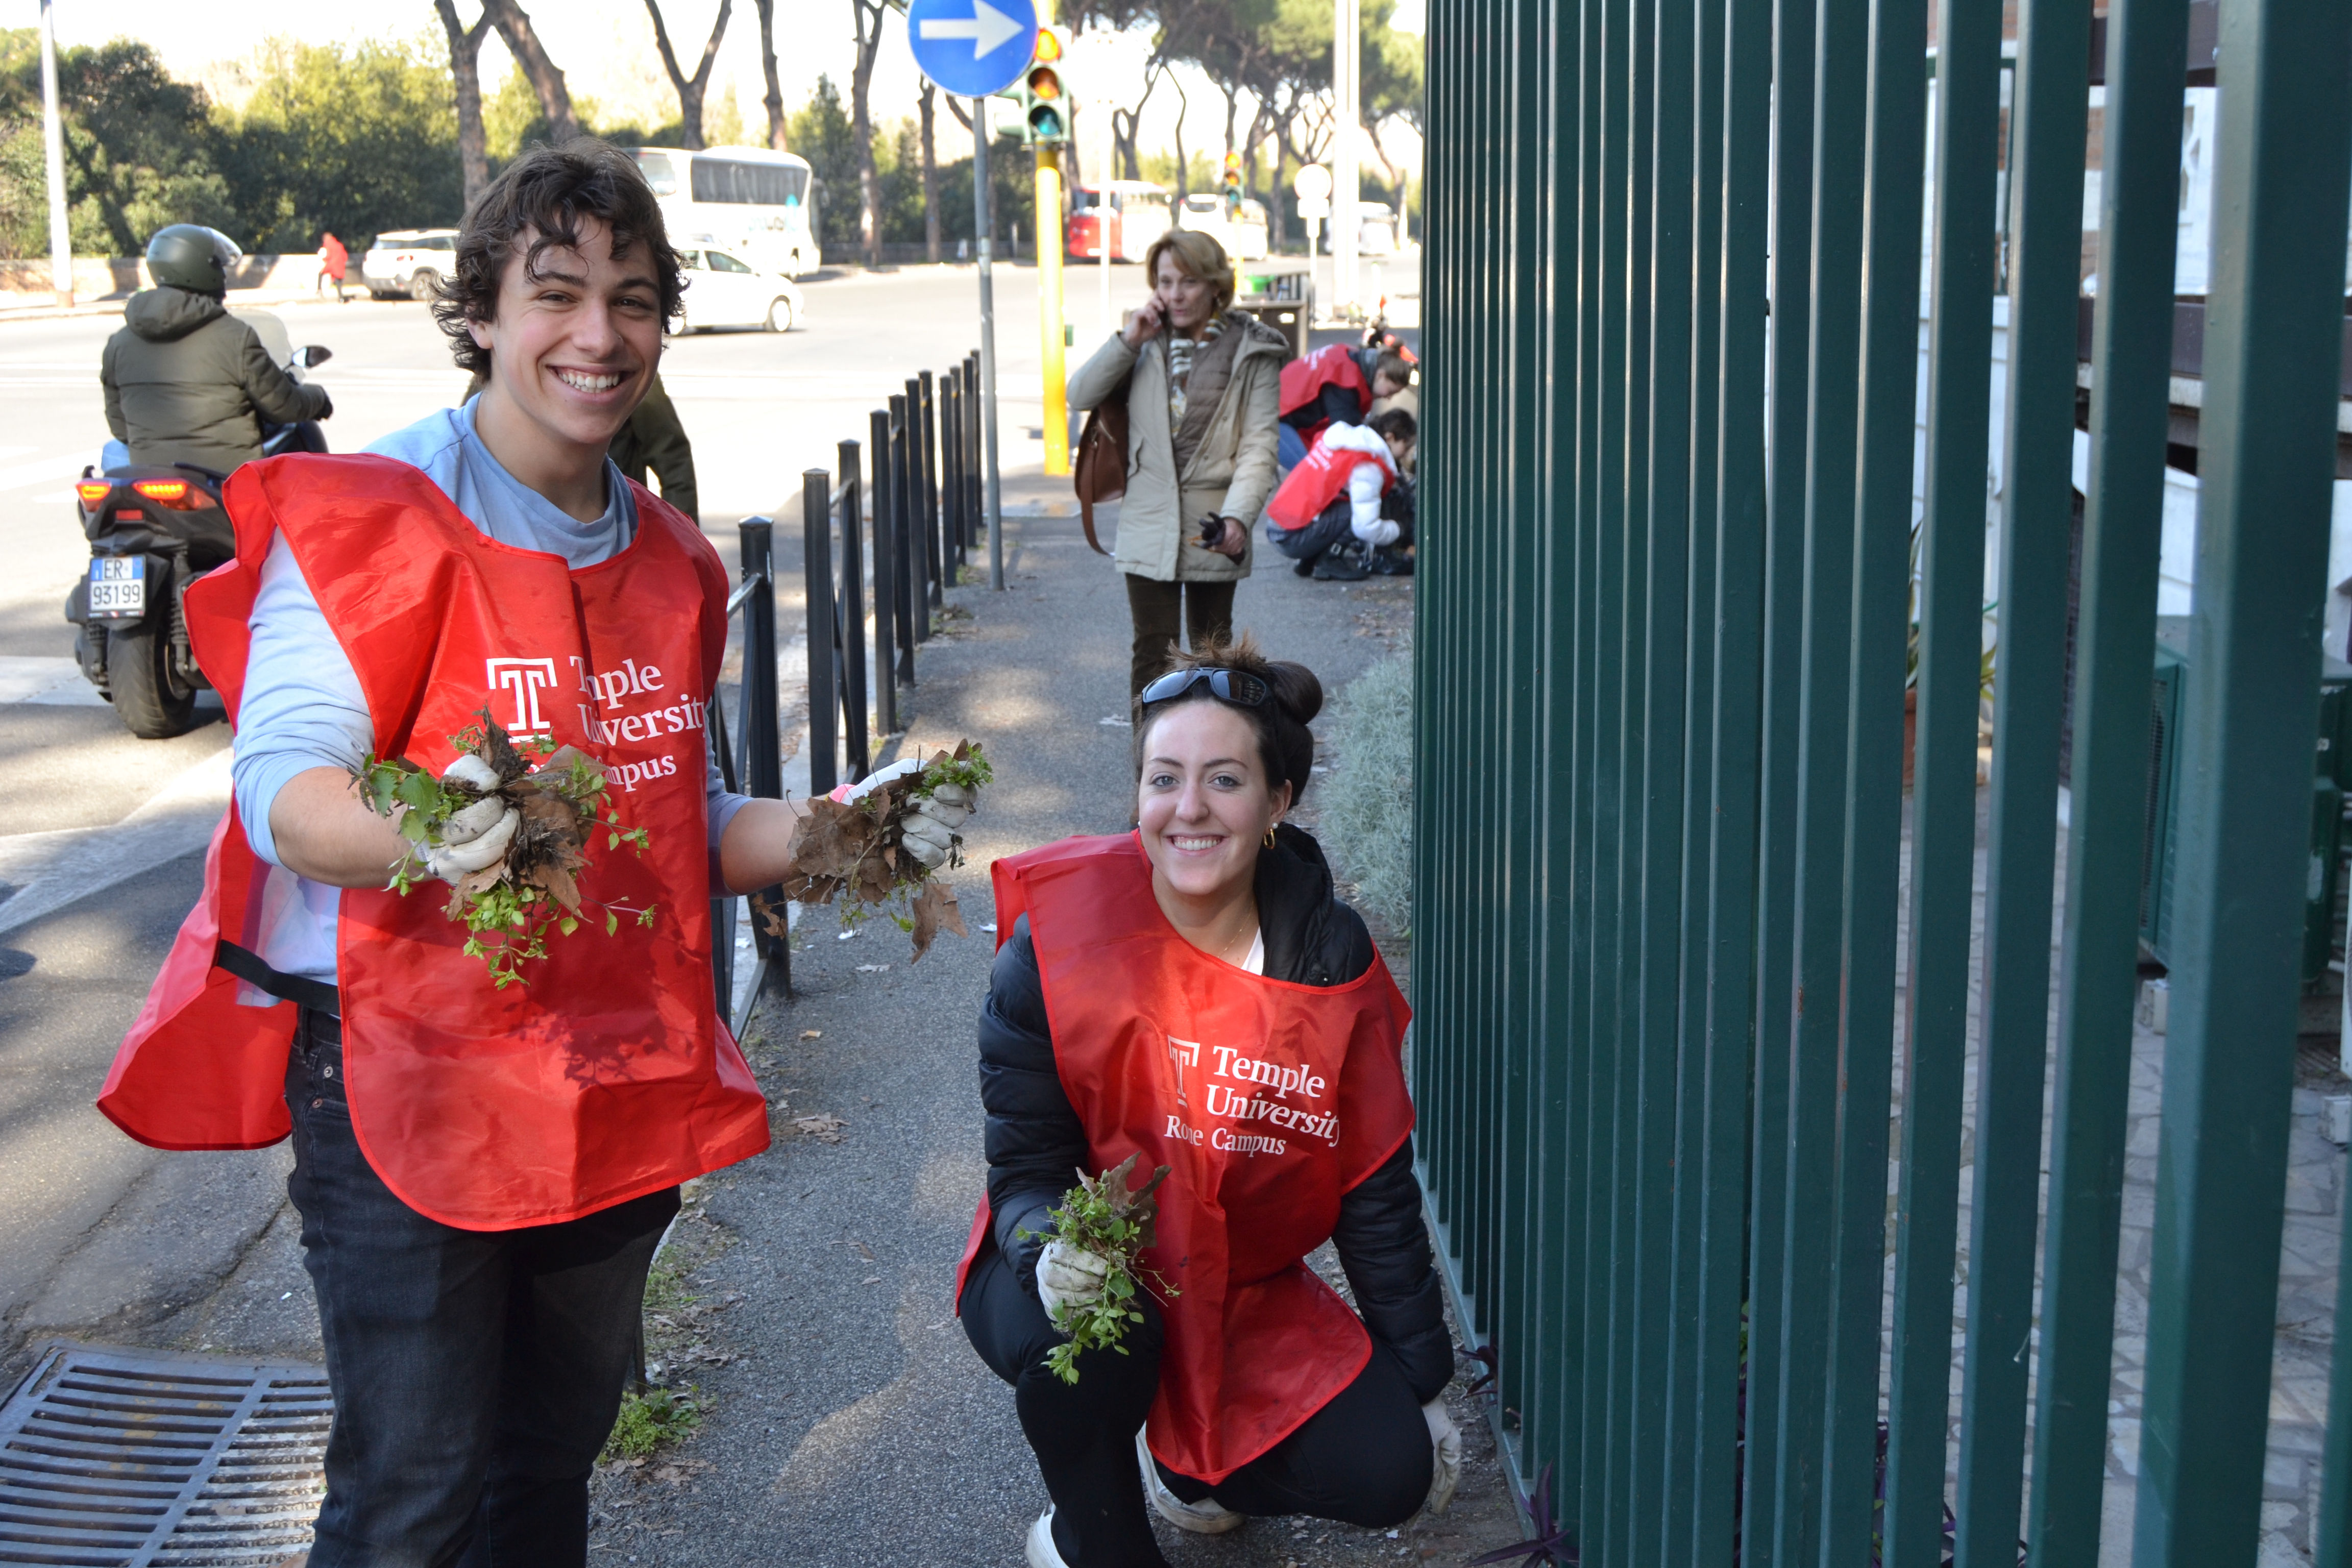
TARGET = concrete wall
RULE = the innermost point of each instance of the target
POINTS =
(103, 277)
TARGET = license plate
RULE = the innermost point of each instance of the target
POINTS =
(118, 585)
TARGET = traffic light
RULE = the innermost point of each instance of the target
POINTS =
(1045, 99)
(1232, 185)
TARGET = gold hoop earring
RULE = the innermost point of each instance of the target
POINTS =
(1269, 838)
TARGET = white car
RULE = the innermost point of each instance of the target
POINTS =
(722, 289)
(409, 261)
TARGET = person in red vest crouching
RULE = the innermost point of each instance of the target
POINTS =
(1346, 511)
(483, 1170)
(1195, 993)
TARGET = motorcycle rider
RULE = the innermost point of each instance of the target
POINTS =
(185, 381)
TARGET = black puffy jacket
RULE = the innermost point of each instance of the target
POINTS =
(186, 381)
(1036, 1144)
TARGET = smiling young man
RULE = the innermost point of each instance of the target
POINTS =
(482, 1172)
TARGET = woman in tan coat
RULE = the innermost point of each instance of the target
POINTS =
(1202, 386)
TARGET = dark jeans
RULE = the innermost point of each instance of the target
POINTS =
(476, 1374)
(1364, 1458)
(1205, 611)
(1332, 524)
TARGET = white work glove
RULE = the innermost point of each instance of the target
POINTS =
(1446, 1457)
(479, 837)
(851, 792)
(1069, 1276)
(929, 828)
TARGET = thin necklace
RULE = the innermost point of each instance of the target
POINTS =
(1227, 956)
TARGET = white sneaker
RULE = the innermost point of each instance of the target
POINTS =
(1042, 1553)
(1203, 1518)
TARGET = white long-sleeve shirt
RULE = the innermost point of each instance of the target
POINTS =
(303, 706)
(1366, 481)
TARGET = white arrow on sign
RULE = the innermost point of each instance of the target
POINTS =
(988, 28)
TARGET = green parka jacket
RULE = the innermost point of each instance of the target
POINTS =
(188, 382)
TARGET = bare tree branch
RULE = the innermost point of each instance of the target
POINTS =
(689, 89)
(465, 70)
(546, 81)
(775, 98)
(866, 18)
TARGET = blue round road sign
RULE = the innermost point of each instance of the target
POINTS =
(972, 47)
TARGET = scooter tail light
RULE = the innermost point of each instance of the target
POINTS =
(162, 490)
(93, 492)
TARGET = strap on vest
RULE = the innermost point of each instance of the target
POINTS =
(247, 966)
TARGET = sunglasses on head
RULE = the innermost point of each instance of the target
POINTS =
(1231, 685)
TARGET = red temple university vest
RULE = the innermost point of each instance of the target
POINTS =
(1321, 479)
(607, 1074)
(1267, 1099)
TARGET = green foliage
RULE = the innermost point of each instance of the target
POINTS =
(1367, 813)
(967, 772)
(820, 132)
(1101, 1215)
(141, 150)
(648, 1422)
(353, 140)
(511, 914)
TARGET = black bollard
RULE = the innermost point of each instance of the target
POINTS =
(850, 629)
(905, 552)
(934, 557)
(885, 581)
(824, 651)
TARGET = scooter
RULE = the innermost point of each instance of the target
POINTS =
(152, 532)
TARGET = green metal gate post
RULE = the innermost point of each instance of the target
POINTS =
(2273, 365)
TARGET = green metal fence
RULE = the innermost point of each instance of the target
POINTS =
(1671, 969)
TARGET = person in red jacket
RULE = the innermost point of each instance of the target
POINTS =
(1343, 513)
(334, 262)
(483, 1169)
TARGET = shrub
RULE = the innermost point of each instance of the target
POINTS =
(1367, 813)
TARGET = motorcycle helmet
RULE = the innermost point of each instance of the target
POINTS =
(189, 256)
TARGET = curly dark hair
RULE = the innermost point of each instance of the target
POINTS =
(545, 194)
(1286, 746)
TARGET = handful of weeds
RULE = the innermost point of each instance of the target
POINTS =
(854, 851)
(510, 907)
(1102, 1216)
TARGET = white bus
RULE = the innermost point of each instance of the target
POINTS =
(762, 201)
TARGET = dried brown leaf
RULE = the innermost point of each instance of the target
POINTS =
(933, 908)
(824, 1127)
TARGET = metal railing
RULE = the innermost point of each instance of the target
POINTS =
(923, 481)
(750, 761)
(1664, 972)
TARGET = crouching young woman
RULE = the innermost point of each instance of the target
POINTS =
(1194, 994)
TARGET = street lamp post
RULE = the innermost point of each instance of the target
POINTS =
(1346, 181)
(53, 138)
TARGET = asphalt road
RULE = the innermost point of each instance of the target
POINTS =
(100, 835)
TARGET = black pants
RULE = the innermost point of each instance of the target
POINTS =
(476, 1374)
(1201, 611)
(1328, 527)
(1364, 1458)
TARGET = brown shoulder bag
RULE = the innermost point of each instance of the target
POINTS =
(1099, 471)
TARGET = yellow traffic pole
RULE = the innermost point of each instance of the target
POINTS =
(1049, 309)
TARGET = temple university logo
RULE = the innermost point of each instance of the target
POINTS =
(526, 677)
(1182, 1054)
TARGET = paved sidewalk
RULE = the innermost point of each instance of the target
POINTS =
(846, 1420)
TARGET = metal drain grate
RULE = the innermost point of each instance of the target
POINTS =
(120, 1459)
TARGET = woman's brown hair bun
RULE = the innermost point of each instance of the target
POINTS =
(1286, 746)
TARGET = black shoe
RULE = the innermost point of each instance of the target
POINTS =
(1305, 567)
(1348, 562)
